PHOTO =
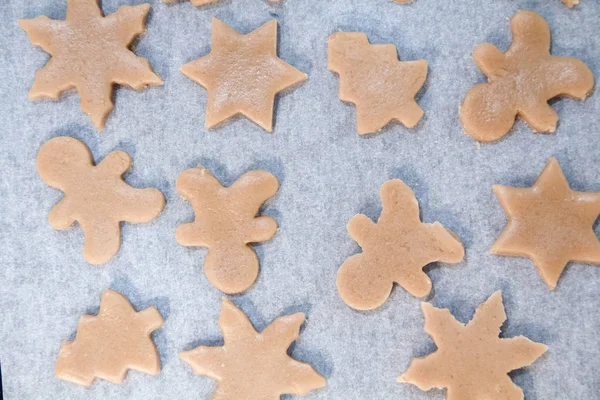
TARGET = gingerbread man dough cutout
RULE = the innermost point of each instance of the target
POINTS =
(94, 196)
(226, 221)
(395, 249)
(521, 82)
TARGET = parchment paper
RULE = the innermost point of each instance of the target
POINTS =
(327, 172)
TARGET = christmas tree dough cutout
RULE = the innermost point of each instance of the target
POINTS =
(110, 343)
(471, 361)
(254, 365)
(395, 249)
(90, 53)
(242, 74)
(94, 196)
(521, 82)
(226, 222)
(549, 223)
(371, 77)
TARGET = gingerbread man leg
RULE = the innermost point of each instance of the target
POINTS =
(102, 240)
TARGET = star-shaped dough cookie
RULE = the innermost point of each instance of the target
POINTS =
(371, 77)
(254, 365)
(549, 223)
(90, 53)
(242, 74)
(471, 361)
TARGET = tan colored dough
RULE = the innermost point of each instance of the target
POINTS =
(254, 365)
(521, 82)
(242, 74)
(371, 77)
(395, 249)
(94, 196)
(570, 3)
(90, 53)
(471, 361)
(549, 223)
(110, 343)
(226, 221)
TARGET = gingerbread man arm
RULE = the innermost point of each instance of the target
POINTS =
(137, 205)
(116, 162)
(262, 229)
(255, 187)
(360, 228)
(416, 283)
(60, 216)
(195, 185)
(489, 59)
(450, 248)
(140, 205)
(572, 77)
(399, 203)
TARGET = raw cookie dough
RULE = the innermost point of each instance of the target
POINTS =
(242, 74)
(570, 3)
(371, 77)
(254, 365)
(95, 196)
(549, 223)
(203, 2)
(226, 221)
(90, 53)
(110, 343)
(395, 249)
(471, 361)
(521, 82)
